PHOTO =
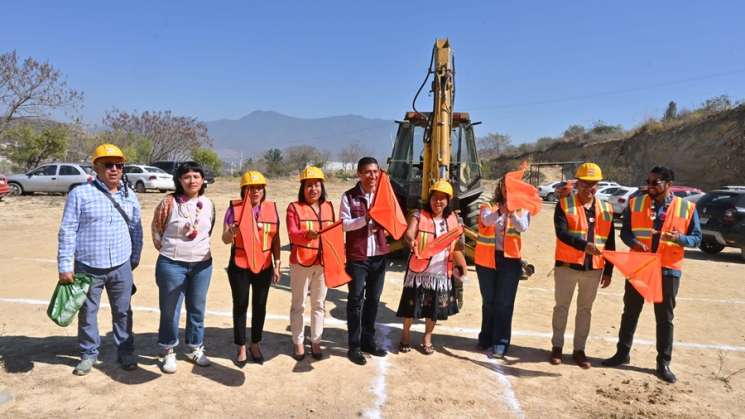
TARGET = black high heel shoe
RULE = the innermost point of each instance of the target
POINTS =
(257, 359)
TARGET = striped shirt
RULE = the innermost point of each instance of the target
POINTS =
(94, 233)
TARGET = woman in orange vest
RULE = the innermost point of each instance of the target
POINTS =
(498, 266)
(242, 279)
(305, 219)
(428, 289)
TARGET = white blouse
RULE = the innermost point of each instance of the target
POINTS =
(175, 244)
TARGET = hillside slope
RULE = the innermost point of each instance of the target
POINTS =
(707, 153)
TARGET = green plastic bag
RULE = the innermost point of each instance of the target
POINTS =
(67, 300)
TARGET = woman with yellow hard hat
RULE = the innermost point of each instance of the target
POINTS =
(242, 278)
(305, 219)
(428, 291)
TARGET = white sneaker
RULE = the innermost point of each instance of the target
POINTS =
(198, 357)
(168, 362)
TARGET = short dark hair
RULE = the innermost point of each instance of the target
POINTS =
(428, 205)
(301, 195)
(665, 173)
(365, 161)
(183, 169)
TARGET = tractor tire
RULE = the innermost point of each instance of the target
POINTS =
(711, 247)
(140, 187)
(471, 212)
(551, 197)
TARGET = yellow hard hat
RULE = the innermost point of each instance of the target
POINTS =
(312, 172)
(443, 186)
(253, 177)
(107, 150)
(590, 172)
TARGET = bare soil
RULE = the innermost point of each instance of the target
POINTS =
(37, 356)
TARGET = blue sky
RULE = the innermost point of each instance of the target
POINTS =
(528, 69)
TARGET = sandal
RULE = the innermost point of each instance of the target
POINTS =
(404, 347)
(427, 349)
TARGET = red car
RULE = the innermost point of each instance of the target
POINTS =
(684, 191)
(4, 189)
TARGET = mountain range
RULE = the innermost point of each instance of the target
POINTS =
(259, 131)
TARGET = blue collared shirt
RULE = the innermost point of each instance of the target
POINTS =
(692, 238)
(94, 233)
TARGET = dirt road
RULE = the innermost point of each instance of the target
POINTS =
(37, 356)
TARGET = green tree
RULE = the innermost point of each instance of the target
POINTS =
(28, 147)
(671, 112)
(207, 158)
(273, 162)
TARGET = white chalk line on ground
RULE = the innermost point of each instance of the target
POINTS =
(620, 294)
(462, 331)
(378, 386)
(539, 289)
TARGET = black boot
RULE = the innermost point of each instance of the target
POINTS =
(664, 373)
(620, 358)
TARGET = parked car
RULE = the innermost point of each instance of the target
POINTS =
(722, 216)
(53, 177)
(620, 198)
(694, 197)
(547, 190)
(604, 183)
(684, 191)
(4, 188)
(169, 166)
(606, 192)
(143, 177)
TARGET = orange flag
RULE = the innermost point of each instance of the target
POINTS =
(385, 209)
(521, 194)
(255, 256)
(643, 270)
(439, 244)
(333, 257)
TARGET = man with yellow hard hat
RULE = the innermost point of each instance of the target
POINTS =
(101, 235)
(584, 227)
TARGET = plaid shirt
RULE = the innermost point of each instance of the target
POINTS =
(94, 232)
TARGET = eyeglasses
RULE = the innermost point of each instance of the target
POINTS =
(655, 182)
(587, 185)
(109, 166)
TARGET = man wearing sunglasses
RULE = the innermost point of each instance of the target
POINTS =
(659, 222)
(101, 235)
(584, 227)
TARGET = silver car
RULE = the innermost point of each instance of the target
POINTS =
(143, 177)
(53, 177)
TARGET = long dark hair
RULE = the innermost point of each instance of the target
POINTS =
(183, 169)
(301, 195)
(445, 212)
(499, 198)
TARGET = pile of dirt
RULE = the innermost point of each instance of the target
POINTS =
(707, 153)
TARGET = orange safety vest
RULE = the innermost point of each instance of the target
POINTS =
(426, 232)
(678, 217)
(578, 226)
(307, 251)
(267, 225)
(484, 255)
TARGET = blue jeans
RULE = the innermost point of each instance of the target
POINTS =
(118, 284)
(498, 291)
(178, 281)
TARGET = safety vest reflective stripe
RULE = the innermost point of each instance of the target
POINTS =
(578, 226)
(426, 228)
(307, 251)
(267, 226)
(484, 254)
(677, 217)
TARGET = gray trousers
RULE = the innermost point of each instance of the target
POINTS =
(118, 283)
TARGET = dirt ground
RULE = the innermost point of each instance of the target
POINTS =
(38, 356)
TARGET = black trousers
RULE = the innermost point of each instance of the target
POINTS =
(663, 313)
(368, 277)
(241, 280)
